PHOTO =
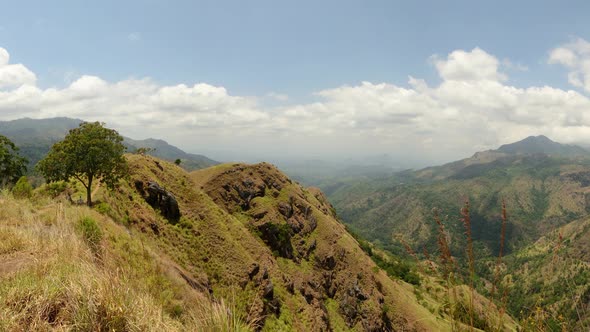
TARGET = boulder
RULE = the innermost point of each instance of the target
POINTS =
(161, 199)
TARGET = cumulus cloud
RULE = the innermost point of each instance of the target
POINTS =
(575, 56)
(471, 109)
(13, 74)
(476, 65)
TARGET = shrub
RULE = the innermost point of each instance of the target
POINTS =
(91, 233)
(22, 188)
(56, 188)
(103, 208)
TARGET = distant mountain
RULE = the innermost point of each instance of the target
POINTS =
(166, 151)
(545, 181)
(545, 184)
(532, 148)
(36, 136)
(542, 144)
(32, 131)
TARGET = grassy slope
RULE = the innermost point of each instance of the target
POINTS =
(148, 274)
(221, 247)
(543, 196)
(53, 278)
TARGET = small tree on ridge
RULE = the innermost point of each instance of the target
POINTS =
(87, 153)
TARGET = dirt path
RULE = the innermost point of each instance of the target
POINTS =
(10, 264)
(95, 190)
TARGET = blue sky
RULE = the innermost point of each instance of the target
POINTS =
(272, 57)
(293, 47)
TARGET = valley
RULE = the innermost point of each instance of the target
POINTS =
(545, 187)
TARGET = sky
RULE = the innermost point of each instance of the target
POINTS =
(424, 82)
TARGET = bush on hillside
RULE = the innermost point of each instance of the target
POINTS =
(22, 188)
(91, 232)
(54, 189)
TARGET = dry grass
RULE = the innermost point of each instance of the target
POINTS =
(51, 278)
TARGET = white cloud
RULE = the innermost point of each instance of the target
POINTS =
(475, 65)
(4, 57)
(564, 56)
(473, 108)
(12, 75)
(575, 56)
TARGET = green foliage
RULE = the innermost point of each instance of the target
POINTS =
(104, 208)
(177, 161)
(87, 153)
(91, 233)
(55, 188)
(22, 188)
(397, 269)
(12, 165)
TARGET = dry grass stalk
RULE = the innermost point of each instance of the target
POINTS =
(447, 261)
(466, 220)
(496, 284)
(411, 252)
(429, 260)
(448, 268)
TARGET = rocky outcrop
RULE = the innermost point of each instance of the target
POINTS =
(278, 238)
(158, 198)
(326, 265)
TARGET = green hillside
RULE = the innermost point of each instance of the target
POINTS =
(251, 250)
(543, 192)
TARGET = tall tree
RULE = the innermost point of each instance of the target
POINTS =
(12, 165)
(87, 153)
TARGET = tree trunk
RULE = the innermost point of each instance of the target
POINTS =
(89, 192)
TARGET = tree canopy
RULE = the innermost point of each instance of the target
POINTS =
(12, 165)
(87, 153)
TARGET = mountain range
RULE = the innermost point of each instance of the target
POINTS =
(546, 188)
(35, 137)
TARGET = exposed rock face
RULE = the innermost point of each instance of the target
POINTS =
(300, 225)
(249, 230)
(161, 199)
(278, 238)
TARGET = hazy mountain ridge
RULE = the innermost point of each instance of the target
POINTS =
(189, 161)
(542, 144)
(535, 184)
(36, 136)
(546, 185)
(531, 147)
